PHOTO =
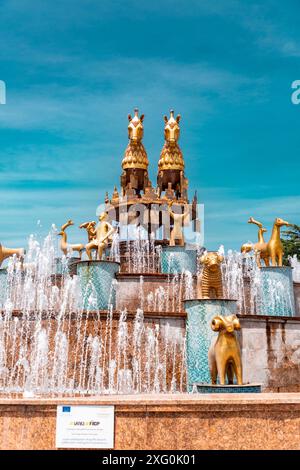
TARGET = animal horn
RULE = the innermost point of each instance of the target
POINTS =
(216, 323)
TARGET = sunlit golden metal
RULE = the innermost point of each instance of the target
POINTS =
(259, 248)
(8, 252)
(69, 247)
(104, 230)
(274, 247)
(176, 235)
(171, 157)
(90, 228)
(224, 355)
(211, 277)
(135, 153)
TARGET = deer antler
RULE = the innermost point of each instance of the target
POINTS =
(255, 222)
(66, 225)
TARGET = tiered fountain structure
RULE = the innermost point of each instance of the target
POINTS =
(109, 316)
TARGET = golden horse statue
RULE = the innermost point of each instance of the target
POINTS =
(8, 252)
(64, 245)
(135, 162)
(224, 355)
(259, 248)
(177, 232)
(171, 163)
(103, 233)
(274, 248)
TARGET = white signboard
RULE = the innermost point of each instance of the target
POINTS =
(85, 427)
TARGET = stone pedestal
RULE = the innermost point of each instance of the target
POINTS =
(277, 292)
(96, 281)
(200, 313)
(176, 259)
(3, 286)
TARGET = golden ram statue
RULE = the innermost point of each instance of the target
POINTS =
(224, 355)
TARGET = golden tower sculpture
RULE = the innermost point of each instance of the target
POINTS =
(224, 355)
(170, 176)
(134, 178)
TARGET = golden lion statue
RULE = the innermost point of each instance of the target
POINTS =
(211, 280)
(224, 355)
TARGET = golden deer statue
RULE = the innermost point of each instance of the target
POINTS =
(259, 248)
(211, 279)
(274, 248)
(69, 247)
(103, 233)
(224, 355)
(8, 252)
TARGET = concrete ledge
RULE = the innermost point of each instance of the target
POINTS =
(241, 421)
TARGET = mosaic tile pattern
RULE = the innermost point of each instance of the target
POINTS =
(3, 280)
(277, 292)
(203, 388)
(176, 259)
(200, 313)
(60, 267)
(96, 281)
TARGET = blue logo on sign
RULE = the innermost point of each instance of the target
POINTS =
(66, 409)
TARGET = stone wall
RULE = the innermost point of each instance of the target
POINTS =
(271, 352)
(186, 422)
(297, 297)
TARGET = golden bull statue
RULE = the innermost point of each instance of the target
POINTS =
(211, 279)
(224, 355)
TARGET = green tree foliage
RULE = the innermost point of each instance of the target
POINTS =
(291, 243)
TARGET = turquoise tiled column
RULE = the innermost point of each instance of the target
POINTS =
(200, 313)
(69, 264)
(96, 282)
(3, 286)
(176, 259)
(277, 292)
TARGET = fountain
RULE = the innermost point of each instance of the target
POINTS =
(131, 312)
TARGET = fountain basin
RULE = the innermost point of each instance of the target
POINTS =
(277, 292)
(96, 282)
(200, 313)
(176, 259)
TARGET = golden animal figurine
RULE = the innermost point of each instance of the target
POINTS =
(90, 228)
(177, 232)
(259, 248)
(224, 355)
(104, 231)
(135, 162)
(8, 252)
(69, 247)
(171, 162)
(211, 280)
(274, 247)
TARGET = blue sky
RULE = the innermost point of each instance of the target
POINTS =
(75, 69)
